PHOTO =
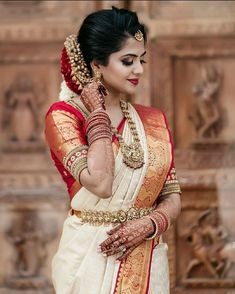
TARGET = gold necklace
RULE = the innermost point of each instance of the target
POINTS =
(133, 154)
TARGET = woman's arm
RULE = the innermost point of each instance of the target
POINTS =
(99, 174)
(92, 162)
(132, 233)
(171, 204)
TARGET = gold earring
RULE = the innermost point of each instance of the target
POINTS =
(97, 75)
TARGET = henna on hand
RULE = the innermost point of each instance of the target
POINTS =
(128, 251)
(127, 236)
(92, 96)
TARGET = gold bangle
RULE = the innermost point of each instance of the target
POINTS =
(155, 231)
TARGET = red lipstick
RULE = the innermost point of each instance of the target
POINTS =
(134, 81)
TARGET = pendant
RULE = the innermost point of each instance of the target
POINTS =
(133, 155)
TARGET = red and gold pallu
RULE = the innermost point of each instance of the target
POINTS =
(77, 266)
(134, 273)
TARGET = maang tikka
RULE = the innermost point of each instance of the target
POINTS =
(139, 36)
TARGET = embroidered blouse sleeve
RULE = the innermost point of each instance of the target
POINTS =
(65, 137)
(171, 184)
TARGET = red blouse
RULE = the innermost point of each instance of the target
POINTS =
(65, 130)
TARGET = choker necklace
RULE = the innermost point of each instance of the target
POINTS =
(133, 154)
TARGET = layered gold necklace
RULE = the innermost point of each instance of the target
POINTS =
(133, 154)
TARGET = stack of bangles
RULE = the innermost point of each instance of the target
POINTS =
(98, 126)
(161, 223)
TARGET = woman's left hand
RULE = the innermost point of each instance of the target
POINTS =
(125, 237)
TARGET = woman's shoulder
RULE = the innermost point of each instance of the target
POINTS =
(58, 105)
(150, 113)
(147, 109)
(64, 107)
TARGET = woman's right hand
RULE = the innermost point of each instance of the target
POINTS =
(92, 96)
(125, 237)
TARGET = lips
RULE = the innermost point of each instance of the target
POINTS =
(134, 81)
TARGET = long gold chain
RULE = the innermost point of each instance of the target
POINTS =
(133, 154)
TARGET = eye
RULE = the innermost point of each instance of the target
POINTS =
(127, 62)
(142, 61)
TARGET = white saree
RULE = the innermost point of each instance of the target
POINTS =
(78, 267)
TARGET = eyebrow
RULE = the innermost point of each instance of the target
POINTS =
(134, 55)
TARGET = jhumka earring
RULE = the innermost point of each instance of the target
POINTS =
(97, 75)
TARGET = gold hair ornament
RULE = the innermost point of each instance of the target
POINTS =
(139, 36)
(80, 73)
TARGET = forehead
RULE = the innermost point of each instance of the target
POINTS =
(131, 46)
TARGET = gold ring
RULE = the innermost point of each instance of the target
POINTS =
(122, 249)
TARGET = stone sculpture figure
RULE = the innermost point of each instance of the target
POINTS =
(29, 243)
(206, 114)
(210, 246)
(22, 121)
(21, 108)
(29, 237)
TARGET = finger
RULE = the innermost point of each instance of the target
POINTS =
(115, 229)
(102, 89)
(115, 247)
(127, 252)
(115, 250)
(133, 241)
(108, 252)
(116, 244)
(109, 241)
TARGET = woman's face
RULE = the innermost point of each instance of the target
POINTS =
(125, 67)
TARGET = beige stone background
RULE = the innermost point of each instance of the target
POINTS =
(189, 75)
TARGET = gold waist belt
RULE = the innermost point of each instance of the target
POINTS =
(100, 217)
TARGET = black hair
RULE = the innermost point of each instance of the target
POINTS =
(105, 31)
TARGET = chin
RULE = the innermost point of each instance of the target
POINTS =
(131, 91)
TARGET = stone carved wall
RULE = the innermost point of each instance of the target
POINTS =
(33, 199)
(192, 76)
(188, 76)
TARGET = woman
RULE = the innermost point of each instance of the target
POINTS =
(117, 161)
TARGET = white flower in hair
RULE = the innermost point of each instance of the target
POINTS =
(66, 93)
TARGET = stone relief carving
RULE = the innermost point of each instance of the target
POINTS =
(206, 115)
(29, 238)
(21, 121)
(212, 250)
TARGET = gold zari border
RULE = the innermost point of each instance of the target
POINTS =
(133, 275)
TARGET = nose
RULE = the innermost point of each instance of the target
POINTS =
(138, 69)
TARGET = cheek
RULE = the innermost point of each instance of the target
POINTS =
(116, 72)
